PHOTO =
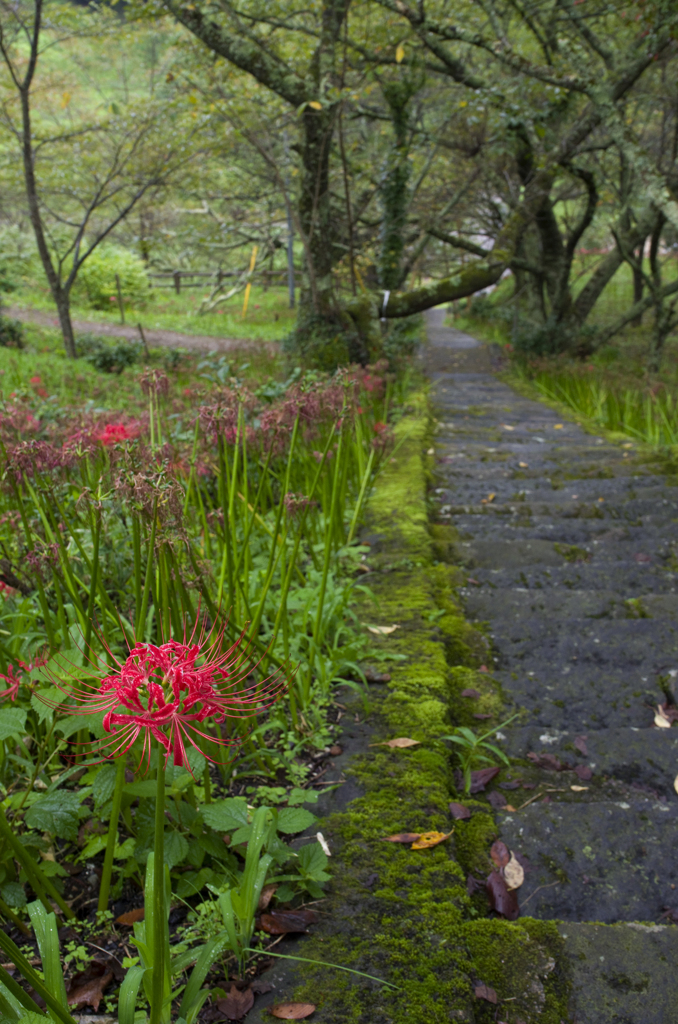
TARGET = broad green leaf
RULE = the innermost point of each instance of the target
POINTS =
(302, 796)
(12, 722)
(56, 813)
(70, 724)
(295, 819)
(13, 894)
(43, 701)
(104, 784)
(226, 815)
(176, 849)
(313, 861)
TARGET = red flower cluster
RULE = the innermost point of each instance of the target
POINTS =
(161, 692)
(114, 433)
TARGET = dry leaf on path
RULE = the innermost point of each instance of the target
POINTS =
(480, 778)
(661, 719)
(675, 783)
(514, 874)
(459, 812)
(236, 1004)
(579, 789)
(497, 800)
(469, 692)
(503, 900)
(485, 992)
(428, 839)
(507, 427)
(89, 991)
(131, 917)
(383, 630)
(580, 745)
(284, 922)
(583, 772)
(398, 743)
(500, 854)
(401, 837)
(292, 1011)
(266, 896)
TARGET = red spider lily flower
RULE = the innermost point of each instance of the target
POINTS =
(113, 433)
(15, 680)
(161, 692)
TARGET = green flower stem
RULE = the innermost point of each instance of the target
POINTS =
(105, 887)
(158, 979)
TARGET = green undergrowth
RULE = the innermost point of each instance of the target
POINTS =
(395, 913)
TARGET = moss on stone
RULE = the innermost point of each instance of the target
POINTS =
(393, 912)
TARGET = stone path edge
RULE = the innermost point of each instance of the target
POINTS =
(402, 915)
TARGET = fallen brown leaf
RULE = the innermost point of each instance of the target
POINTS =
(336, 750)
(485, 992)
(282, 922)
(469, 692)
(583, 772)
(267, 894)
(514, 875)
(661, 719)
(372, 676)
(87, 988)
(509, 785)
(131, 917)
(398, 742)
(401, 837)
(548, 761)
(502, 900)
(580, 745)
(497, 800)
(459, 812)
(500, 854)
(292, 1011)
(579, 789)
(481, 778)
(428, 839)
(236, 1004)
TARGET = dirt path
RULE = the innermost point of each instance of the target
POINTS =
(569, 542)
(154, 336)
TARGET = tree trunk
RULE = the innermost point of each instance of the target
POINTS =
(61, 298)
(315, 217)
(638, 283)
(63, 304)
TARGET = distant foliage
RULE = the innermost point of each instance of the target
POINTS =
(96, 280)
(11, 333)
(107, 356)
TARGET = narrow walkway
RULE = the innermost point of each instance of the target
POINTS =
(571, 549)
(154, 336)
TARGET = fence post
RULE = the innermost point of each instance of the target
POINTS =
(177, 281)
(120, 302)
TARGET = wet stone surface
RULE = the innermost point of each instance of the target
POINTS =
(570, 545)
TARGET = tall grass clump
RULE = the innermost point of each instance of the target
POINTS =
(614, 401)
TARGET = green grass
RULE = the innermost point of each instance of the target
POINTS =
(75, 383)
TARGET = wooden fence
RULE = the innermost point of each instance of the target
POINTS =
(179, 279)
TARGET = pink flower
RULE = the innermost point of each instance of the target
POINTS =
(161, 692)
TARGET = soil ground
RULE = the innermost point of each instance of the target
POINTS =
(166, 339)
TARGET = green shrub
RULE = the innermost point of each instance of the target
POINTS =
(107, 356)
(96, 280)
(11, 333)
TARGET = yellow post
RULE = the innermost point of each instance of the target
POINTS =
(253, 260)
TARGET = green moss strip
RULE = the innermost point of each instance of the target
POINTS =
(400, 914)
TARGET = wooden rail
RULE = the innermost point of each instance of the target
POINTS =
(175, 278)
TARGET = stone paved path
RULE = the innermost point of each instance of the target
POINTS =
(571, 547)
